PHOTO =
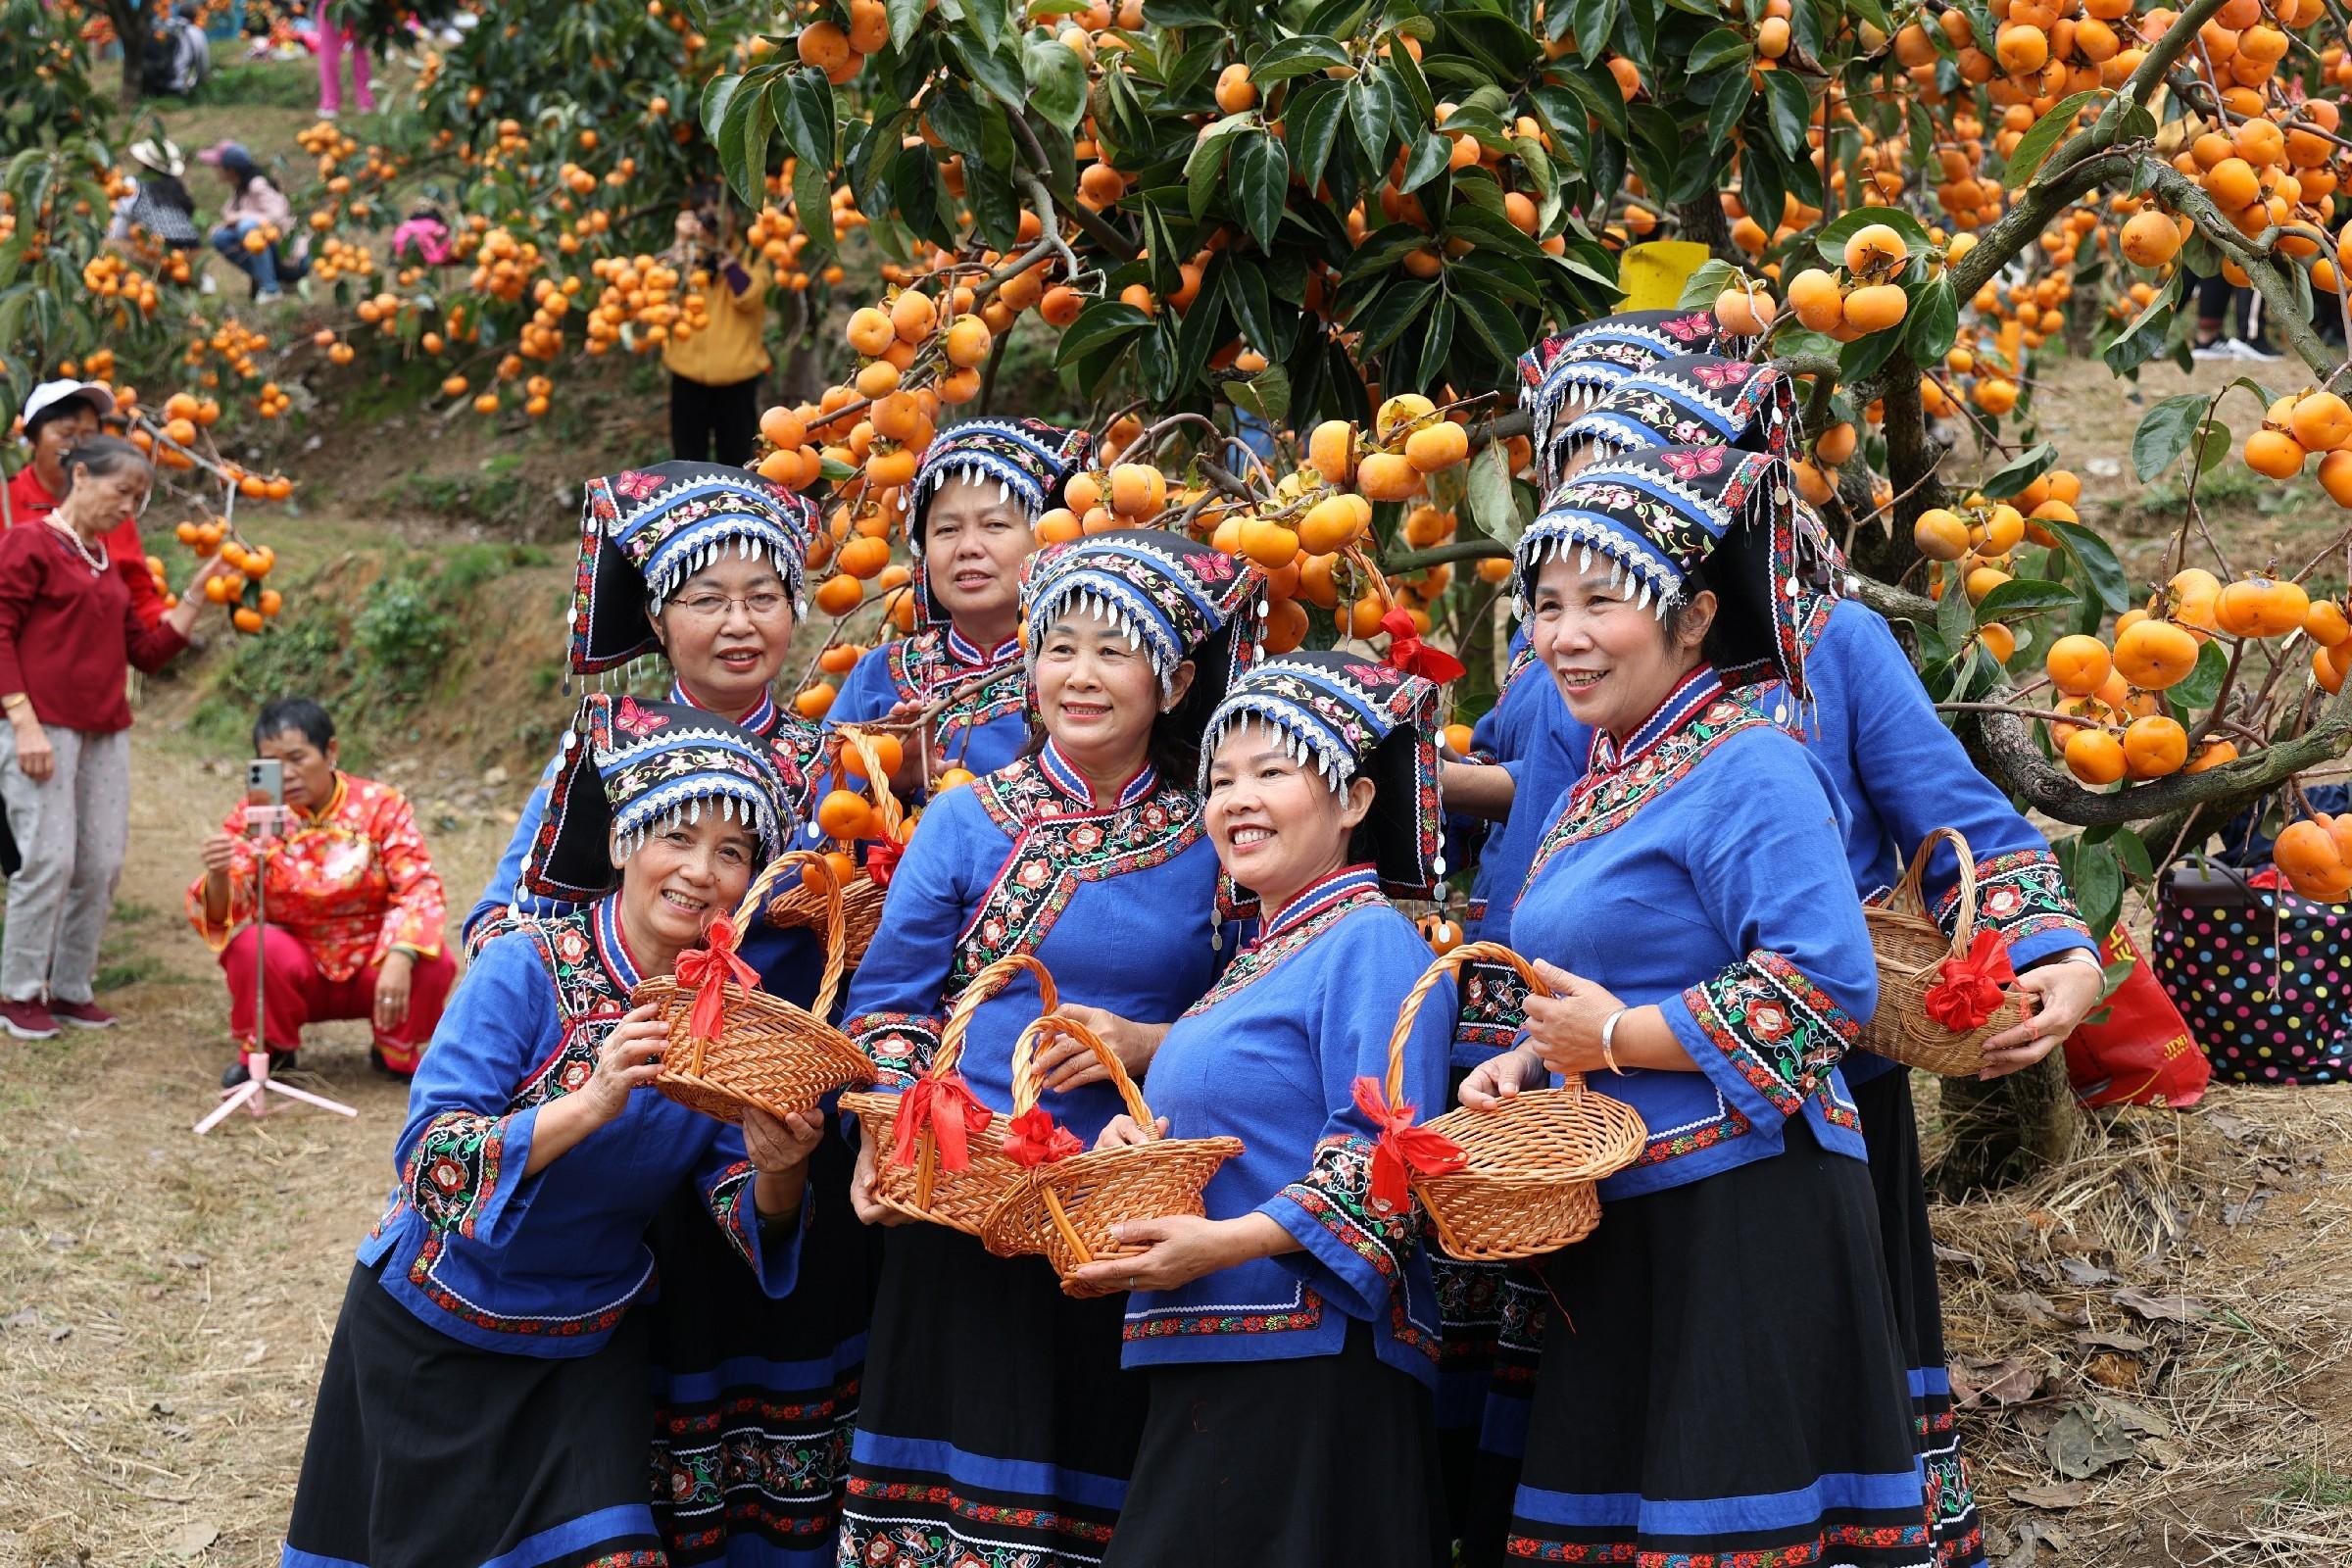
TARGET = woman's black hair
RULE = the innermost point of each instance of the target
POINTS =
(1710, 646)
(302, 716)
(63, 407)
(104, 455)
(168, 192)
(242, 167)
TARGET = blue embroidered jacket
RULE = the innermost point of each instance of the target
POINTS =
(1116, 898)
(982, 729)
(547, 1265)
(1698, 868)
(1901, 774)
(1272, 1056)
(789, 961)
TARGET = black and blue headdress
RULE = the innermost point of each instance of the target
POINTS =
(1346, 715)
(644, 531)
(1662, 515)
(629, 770)
(1690, 399)
(1573, 369)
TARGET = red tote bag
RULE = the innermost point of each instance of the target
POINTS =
(2140, 1053)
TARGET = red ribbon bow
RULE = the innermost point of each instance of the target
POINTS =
(1971, 988)
(1409, 652)
(944, 1103)
(1403, 1150)
(1033, 1139)
(882, 859)
(708, 968)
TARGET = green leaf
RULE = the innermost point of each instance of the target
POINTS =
(1057, 82)
(1955, 618)
(1791, 110)
(1369, 112)
(715, 96)
(1295, 57)
(806, 112)
(2095, 558)
(1701, 287)
(2196, 691)
(736, 132)
(813, 192)
(1311, 125)
(2213, 446)
(2133, 851)
(1203, 170)
(1262, 181)
(1491, 320)
(2098, 885)
(1389, 313)
(1830, 241)
(1099, 325)
(2165, 432)
(2021, 472)
(905, 17)
(1430, 155)
(992, 70)
(2144, 338)
(2041, 138)
(1488, 493)
(1721, 47)
(1934, 321)
(1267, 394)
(1729, 104)
(1414, 84)
(2023, 596)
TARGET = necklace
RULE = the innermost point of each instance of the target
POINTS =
(97, 562)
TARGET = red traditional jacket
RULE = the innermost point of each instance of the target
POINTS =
(352, 881)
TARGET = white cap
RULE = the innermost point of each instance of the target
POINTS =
(49, 393)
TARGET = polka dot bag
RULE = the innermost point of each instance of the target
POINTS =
(2263, 975)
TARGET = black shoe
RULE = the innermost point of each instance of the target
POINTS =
(375, 1059)
(279, 1061)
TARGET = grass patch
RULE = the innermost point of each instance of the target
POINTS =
(131, 911)
(266, 83)
(2306, 1480)
(128, 972)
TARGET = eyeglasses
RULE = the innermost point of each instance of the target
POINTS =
(715, 606)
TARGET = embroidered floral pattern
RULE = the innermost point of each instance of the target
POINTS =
(922, 670)
(1799, 1554)
(1056, 849)
(900, 1543)
(1469, 1309)
(900, 1043)
(1781, 1031)
(729, 1203)
(1336, 1193)
(1494, 1006)
(1306, 1315)
(2021, 894)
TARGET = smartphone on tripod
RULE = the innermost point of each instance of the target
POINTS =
(265, 797)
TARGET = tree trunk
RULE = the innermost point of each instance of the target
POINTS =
(129, 18)
(1703, 221)
(2006, 1130)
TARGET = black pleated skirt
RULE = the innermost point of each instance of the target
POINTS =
(996, 1424)
(425, 1452)
(1722, 1379)
(1891, 1132)
(754, 1398)
(1327, 1459)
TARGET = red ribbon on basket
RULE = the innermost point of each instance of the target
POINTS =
(708, 968)
(882, 859)
(943, 1102)
(1403, 1149)
(1971, 988)
(1033, 1139)
(1409, 652)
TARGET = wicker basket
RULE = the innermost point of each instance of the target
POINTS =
(923, 1188)
(794, 903)
(1065, 1210)
(1911, 949)
(1526, 1186)
(769, 1052)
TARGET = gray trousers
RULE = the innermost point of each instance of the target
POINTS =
(72, 829)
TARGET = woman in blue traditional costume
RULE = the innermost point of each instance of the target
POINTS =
(1604, 381)
(996, 1425)
(704, 565)
(1722, 1379)
(976, 500)
(1288, 1339)
(487, 1395)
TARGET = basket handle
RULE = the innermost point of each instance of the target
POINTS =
(1910, 894)
(1028, 1084)
(886, 805)
(985, 987)
(762, 890)
(1448, 964)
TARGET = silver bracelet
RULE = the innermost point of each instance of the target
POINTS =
(1608, 1040)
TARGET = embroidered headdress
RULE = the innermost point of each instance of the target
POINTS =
(643, 532)
(1659, 516)
(1345, 715)
(1173, 597)
(1690, 399)
(629, 770)
(1028, 460)
(1575, 368)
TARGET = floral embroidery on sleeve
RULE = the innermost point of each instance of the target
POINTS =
(1337, 1194)
(1494, 1006)
(2020, 895)
(1778, 1029)
(727, 1207)
(455, 1168)
(900, 1043)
